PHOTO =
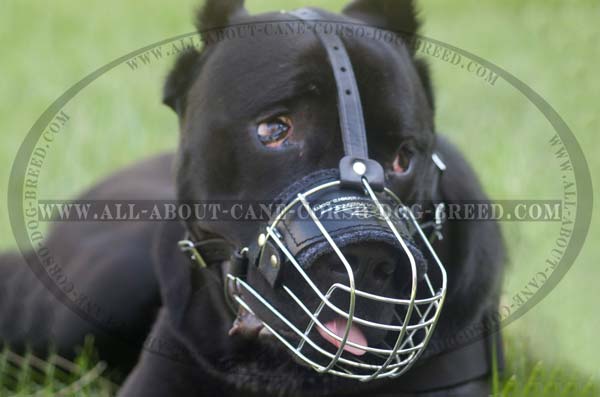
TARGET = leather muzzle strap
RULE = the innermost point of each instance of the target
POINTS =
(352, 123)
(349, 104)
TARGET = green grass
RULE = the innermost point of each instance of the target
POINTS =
(550, 45)
(526, 376)
(28, 375)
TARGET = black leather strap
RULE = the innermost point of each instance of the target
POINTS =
(350, 107)
(350, 110)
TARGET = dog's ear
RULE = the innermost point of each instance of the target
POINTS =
(213, 14)
(399, 16)
(218, 13)
(180, 79)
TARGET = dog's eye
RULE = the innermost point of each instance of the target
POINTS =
(273, 132)
(403, 157)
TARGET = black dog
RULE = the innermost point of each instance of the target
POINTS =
(256, 115)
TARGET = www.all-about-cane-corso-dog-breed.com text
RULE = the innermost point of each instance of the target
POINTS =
(333, 294)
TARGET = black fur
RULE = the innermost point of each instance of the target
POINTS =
(218, 14)
(135, 278)
(179, 81)
(399, 16)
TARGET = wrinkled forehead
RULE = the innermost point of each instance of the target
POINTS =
(265, 60)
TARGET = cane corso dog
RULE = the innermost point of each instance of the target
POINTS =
(258, 114)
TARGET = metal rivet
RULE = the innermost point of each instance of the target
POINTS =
(274, 261)
(359, 167)
(262, 239)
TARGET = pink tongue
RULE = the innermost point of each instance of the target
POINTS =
(338, 327)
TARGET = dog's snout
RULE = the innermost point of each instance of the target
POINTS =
(369, 259)
(370, 262)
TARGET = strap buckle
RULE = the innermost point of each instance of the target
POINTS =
(188, 246)
(353, 170)
(439, 163)
(440, 210)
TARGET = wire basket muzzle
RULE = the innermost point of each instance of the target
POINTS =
(344, 330)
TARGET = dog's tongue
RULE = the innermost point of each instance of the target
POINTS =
(338, 327)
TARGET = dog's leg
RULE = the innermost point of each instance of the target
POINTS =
(31, 316)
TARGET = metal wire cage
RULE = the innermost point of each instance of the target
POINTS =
(415, 315)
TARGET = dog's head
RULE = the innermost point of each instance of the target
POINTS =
(258, 112)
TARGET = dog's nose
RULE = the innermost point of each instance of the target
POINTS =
(371, 262)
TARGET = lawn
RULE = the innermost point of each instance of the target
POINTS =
(551, 46)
